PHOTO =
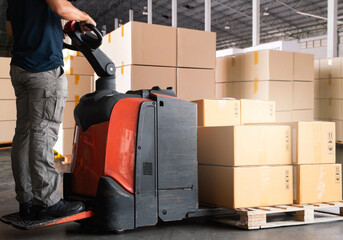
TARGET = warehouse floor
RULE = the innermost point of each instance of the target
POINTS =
(191, 229)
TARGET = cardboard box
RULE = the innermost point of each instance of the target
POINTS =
(223, 70)
(330, 68)
(6, 90)
(239, 187)
(134, 77)
(330, 88)
(339, 130)
(7, 129)
(64, 144)
(268, 65)
(229, 145)
(223, 90)
(5, 67)
(283, 116)
(68, 116)
(303, 95)
(257, 111)
(195, 84)
(303, 66)
(316, 143)
(281, 92)
(317, 183)
(142, 44)
(78, 66)
(306, 115)
(316, 89)
(79, 86)
(196, 49)
(8, 110)
(330, 109)
(316, 69)
(218, 112)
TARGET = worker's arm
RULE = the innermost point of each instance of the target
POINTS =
(9, 29)
(66, 10)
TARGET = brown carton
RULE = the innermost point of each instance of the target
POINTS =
(218, 112)
(330, 88)
(339, 130)
(68, 116)
(7, 129)
(227, 145)
(306, 115)
(257, 111)
(79, 86)
(303, 95)
(316, 69)
(77, 65)
(223, 71)
(6, 90)
(142, 44)
(195, 84)
(317, 183)
(330, 109)
(5, 67)
(239, 187)
(316, 143)
(303, 67)
(196, 49)
(223, 90)
(330, 68)
(281, 92)
(134, 77)
(283, 116)
(268, 65)
(8, 110)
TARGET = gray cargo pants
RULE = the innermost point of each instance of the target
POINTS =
(40, 104)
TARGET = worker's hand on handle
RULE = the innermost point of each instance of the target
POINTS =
(83, 24)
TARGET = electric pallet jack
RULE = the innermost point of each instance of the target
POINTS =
(134, 159)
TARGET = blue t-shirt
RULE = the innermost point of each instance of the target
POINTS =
(37, 35)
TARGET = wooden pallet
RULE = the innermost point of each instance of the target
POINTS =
(284, 215)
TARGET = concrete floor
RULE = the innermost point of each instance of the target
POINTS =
(190, 229)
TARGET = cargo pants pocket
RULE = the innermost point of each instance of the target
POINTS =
(54, 105)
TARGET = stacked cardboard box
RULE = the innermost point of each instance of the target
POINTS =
(148, 55)
(80, 77)
(7, 102)
(316, 176)
(329, 92)
(273, 75)
(242, 165)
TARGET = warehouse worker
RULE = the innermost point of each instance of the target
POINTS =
(41, 91)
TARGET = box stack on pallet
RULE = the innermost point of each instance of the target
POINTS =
(329, 92)
(283, 77)
(80, 77)
(148, 55)
(7, 103)
(249, 165)
(251, 168)
(317, 177)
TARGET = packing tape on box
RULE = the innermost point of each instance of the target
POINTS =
(329, 61)
(255, 85)
(77, 99)
(122, 30)
(122, 70)
(255, 57)
(77, 79)
(71, 70)
(109, 38)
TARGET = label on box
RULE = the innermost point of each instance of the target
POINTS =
(271, 110)
(287, 179)
(338, 175)
(287, 141)
(237, 108)
(331, 143)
